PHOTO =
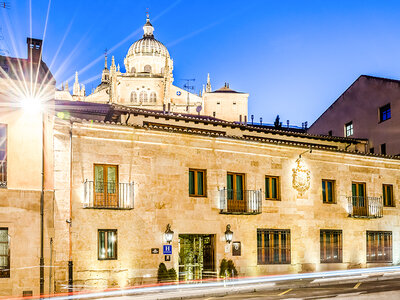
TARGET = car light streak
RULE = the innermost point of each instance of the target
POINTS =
(210, 283)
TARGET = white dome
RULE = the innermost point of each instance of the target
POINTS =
(148, 46)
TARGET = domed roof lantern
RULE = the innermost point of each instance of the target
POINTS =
(148, 28)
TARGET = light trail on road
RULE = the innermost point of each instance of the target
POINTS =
(213, 283)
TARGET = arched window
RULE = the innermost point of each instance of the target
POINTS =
(143, 97)
(133, 70)
(153, 97)
(147, 69)
(133, 97)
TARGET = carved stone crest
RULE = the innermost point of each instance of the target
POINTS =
(301, 177)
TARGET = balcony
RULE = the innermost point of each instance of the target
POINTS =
(365, 207)
(246, 202)
(108, 195)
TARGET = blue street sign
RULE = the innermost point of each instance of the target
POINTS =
(167, 249)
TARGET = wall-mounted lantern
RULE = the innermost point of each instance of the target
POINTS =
(228, 234)
(168, 234)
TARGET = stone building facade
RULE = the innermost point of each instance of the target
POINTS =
(152, 154)
(25, 135)
(369, 108)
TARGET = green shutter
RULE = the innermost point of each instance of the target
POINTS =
(191, 182)
(323, 191)
(200, 183)
(273, 188)
(239, 187)
(330, 191)
(267, 191)
(229, 181)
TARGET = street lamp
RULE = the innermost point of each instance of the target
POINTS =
(228, 234)
(168, 234)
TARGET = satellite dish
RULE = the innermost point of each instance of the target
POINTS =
(199, 108)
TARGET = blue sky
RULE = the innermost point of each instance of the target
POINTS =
(294, 58)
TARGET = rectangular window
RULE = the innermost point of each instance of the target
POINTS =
(235, 186)
(197, 183)
(4, 253)
(384, 113)
(328, 191)
(272, 187)
(3, 155)
(105, 185)
(107, 244)
(331, 246)
(383, 149)
(330, 132)
(379, 246)
(388, 195)
(371, 150)
(349, 129)
(273, 246)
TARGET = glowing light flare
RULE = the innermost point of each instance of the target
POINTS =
(31, 104)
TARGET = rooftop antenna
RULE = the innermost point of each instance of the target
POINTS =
(5, 5)
(188, 87)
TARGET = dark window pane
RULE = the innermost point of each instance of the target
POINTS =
(273, 188)
(267, 191)
(323, 191)
(239, 187)
(200, 183)
(330, 191)
(191, 182)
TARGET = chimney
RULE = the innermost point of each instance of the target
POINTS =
(34, 49)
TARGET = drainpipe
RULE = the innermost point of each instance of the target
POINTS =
(69, 221)
(42, 216)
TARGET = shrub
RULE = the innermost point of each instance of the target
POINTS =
(227, 266)
(165, 275)
(172, 274)
(162, 273)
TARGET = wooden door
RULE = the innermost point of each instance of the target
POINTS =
(235, 193)
(359, 199)
(105, 186)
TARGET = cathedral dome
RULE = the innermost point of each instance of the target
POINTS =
(148, 45)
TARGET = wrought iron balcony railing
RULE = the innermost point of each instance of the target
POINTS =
(108, 195)
(246, 202)
(365, 207)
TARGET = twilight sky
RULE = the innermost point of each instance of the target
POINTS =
(294, 58)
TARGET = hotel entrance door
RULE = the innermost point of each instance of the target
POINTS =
(196, 256)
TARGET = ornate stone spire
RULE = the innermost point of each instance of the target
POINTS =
(148, 29)
(208, 86)
(76, 89)
(66, 88)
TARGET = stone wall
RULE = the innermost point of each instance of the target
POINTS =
(158, 163)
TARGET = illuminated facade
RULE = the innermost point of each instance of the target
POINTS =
(133, 177)
(148, 83)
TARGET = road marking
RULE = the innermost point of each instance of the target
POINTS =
(357, 285)
(283, 293)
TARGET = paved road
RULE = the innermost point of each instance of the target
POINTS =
(378, 289)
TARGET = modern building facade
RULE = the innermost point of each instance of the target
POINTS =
(369, 108)
(148, 83)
